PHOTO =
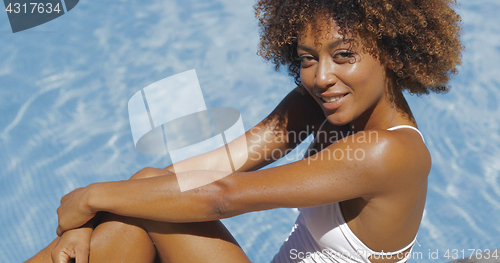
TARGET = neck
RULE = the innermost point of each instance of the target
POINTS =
(391, 111)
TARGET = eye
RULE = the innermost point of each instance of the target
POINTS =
(343, 56)
(306, 60)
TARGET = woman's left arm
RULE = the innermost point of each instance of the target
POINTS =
(344, 170)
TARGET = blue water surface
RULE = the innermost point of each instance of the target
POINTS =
(64, 88)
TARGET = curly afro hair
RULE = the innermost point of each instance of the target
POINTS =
(419, 40)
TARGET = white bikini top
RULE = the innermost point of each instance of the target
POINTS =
(327, 226)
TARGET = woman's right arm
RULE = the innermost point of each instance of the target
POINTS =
(295, 117)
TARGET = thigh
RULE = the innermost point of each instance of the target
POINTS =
(194, 242)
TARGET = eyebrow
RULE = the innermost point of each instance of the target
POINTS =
(330, 46)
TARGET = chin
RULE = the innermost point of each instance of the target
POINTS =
(337, 119)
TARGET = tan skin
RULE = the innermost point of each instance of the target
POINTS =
(382, 196)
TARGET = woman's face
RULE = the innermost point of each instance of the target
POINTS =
(345, 81)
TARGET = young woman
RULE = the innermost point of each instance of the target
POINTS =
(361, 190)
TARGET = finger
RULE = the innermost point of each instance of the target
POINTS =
(82, 255)
(60, 257)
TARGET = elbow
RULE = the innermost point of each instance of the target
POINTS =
(220, 208)
(221, 203)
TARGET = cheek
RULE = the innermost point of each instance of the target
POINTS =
(356, 78)
(367, 77)
(307, 79)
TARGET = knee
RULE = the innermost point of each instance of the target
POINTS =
(148, 172)
(118, 239)
(116, 226)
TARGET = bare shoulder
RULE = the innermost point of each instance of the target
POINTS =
(392, 157)
(379, 156)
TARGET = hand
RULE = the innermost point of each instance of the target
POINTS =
(75, 244)
(74, 211)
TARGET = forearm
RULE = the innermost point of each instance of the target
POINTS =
(158, 198)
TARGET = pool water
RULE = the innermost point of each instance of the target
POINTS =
(64, 88)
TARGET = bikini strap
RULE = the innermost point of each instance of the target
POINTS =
(407, 126)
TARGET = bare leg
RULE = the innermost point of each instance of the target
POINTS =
(195, 242)
(124, 239)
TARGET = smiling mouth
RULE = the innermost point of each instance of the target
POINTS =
(332, 99)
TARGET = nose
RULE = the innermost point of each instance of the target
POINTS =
(325, 75)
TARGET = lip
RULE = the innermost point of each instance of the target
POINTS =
(335, 104)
